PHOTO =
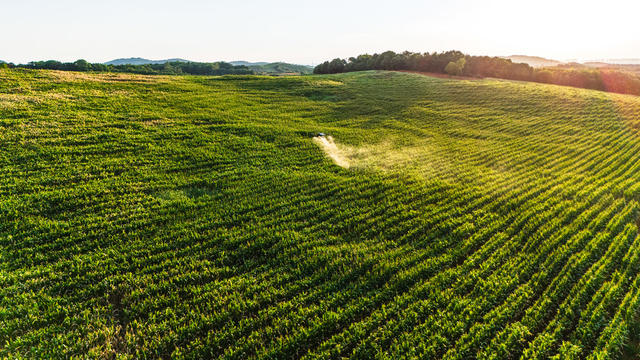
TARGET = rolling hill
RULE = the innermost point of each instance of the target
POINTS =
(247, 63)
(203, 217)
(141, 61)
(534, 61)
(276, 68)
(619, 61)
(279, 68)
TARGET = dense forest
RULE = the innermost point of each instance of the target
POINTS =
(460, 64)
(169, 68)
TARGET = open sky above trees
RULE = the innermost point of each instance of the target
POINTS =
(311, 32)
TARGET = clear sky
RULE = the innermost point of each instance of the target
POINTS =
(309, 32)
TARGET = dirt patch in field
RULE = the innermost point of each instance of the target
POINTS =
(12, 101)
(156, 122)
(66, 76)
(327, 83)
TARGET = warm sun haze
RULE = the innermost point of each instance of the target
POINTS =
(311, 32)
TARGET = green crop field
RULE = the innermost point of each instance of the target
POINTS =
(198, 217)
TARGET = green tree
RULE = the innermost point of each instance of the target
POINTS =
(82, 65)
(452, 68)
(455, 67)
(336, 66)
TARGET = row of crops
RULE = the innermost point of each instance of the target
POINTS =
(194, 217)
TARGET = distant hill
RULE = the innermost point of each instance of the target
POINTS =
(625, 67)
(247, 63)
(537, 61)
(614, 62)
(141, 61)
(534, 61)
(259, 67)
(275, 68)
(281, 68)
(596, 64)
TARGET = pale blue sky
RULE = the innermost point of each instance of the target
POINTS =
(310, 32)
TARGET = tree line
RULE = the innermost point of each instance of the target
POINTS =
(169, 68)
(457, 63)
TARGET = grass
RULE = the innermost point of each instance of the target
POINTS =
(195, 217)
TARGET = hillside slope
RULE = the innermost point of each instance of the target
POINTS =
(197, 217)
